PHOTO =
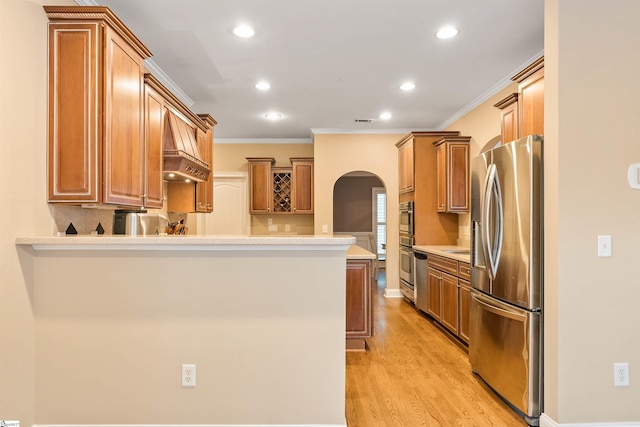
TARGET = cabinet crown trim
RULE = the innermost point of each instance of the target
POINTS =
(97, 13)
(507, 101)
(261, 159)
(535, 66)
(454, 139)
(417, 134)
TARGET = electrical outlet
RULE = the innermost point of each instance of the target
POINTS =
(188, 375)
(620, 374)
(604, 246)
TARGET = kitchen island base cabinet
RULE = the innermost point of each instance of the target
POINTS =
(157, 303)
(359, 304)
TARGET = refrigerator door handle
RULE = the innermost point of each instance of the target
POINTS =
(488, 306)
(493, 232)
(484, 220)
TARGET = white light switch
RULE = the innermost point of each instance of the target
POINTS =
(604, 246)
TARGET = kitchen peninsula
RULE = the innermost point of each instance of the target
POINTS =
(262, 318)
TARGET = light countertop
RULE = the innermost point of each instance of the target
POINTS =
(110, 242)
(358, 252)
(443, 251)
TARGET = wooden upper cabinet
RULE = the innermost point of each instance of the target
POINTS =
(302, 185)
(281, 190)
(453, 174)
(406, 177)
(260, 185)
(154, 116)
(96, 144)
(204, 190)
(531, 99)
(509, 117)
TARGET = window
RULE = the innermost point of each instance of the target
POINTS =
(380, 220)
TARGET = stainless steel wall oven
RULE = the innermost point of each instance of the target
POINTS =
(407, 225)
(407, 260)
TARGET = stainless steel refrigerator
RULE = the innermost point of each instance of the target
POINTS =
(505, 343)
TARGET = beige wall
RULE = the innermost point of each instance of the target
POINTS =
(23, 207)
(264, 328)
(232, 158)
(336, 155)
(591, 132)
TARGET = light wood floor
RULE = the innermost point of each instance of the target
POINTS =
(414, 375)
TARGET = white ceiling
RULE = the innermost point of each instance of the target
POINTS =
(331, 62)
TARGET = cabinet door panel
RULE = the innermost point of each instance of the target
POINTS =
(441, 178)
(459, 178)
(358, 309)
(406, 167)
(434, 282)
(123, 147)
(302, 194)
(509, 123)
(154, 138)
(463, 306)
(532, 106)
(203, 198)
(74, 113)
(261, 187)
(450, 302)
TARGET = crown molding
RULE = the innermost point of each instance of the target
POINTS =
(503, 83)
(155, 69)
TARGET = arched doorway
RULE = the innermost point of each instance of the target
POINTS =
(360, 209)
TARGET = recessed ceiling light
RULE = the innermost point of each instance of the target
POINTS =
(447, 32)
(263, 85)
(243, 31)
(385, 116)
(408, 86)
(273, 116)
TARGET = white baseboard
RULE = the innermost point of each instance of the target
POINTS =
(392, 293)
(546, 421)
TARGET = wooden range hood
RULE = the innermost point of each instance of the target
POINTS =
(182, 159)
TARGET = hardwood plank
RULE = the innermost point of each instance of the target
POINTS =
(414, 374)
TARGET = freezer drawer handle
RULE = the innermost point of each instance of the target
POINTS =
(486, 305)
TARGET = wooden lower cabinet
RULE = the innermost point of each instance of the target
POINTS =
(434, 287)
(464, 298)
(449, 317)
(359, 324)
(449, 293)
